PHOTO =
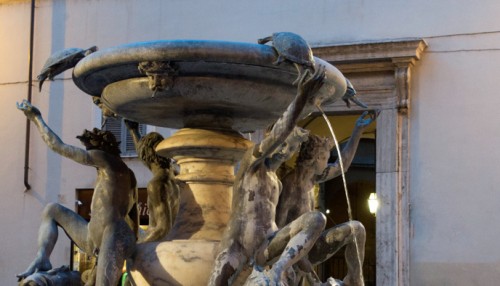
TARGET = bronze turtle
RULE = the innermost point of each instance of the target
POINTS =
(62, 60)
(293, 48)
(350, 95)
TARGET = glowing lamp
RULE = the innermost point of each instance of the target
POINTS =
(373, 203)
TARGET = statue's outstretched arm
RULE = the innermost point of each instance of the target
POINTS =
(133, 128)
(307, 88)
(350, 148)
(51, 139)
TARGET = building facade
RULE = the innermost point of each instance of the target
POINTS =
(430, 66)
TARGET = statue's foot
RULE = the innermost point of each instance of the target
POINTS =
(39, 264)
(264, 278)
(350, 281)
(57, 277)
(331, 282)
(258, 278)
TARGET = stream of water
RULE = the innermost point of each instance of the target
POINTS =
(349, 209)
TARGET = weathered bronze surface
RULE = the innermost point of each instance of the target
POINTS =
(108, 233)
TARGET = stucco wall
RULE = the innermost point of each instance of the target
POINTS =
(454, 162)
(454, 133)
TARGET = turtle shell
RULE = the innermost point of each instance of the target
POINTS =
(293, 48)
(61, 57)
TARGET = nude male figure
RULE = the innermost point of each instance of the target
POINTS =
(297, 198)
(107, 235)
(252, 226)
(163, 190)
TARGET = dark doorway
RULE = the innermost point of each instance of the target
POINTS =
(360, 180)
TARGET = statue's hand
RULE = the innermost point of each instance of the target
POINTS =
(131, 124)
(29, 110)
(311, 83)
(362, 122)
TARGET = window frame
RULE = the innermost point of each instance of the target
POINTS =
(127, 147)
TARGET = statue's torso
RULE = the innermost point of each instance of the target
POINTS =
(257, 193)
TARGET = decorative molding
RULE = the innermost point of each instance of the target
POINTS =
(402, 75)
(368, 52)
(381, 73)
(388, 64)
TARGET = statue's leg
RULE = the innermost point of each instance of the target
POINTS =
(153, 201)
(353, 236)
(265, 40)
(118, 243)
(227, 263)
(171, 204)
(300, 69)
(293, 242)
(163, 206)
(92, 276)
(57, 215)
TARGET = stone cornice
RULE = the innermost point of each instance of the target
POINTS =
(372, 56)
(396, 56)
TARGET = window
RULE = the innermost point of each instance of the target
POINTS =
(118, 128)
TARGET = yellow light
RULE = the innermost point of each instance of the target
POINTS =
(373, 203)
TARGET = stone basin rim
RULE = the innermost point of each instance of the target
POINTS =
(208, 78)
(87, 74)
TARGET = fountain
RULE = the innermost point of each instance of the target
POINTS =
(211, 91)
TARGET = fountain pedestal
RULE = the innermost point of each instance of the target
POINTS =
(207, 159)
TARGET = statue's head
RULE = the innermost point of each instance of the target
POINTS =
(100, 140)
(146, 150)
(106, 112)
(350, 95)
(315, 151)
(291, 144)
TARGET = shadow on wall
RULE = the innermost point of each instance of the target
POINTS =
(55, 111)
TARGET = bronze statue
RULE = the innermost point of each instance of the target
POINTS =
(61, 61)
(252, 235)
(107, 235)
(58, 276)
(163, 190)
(297, 198)
(292, 48)
(350, 95)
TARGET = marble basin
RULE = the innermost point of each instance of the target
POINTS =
(212, 84)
